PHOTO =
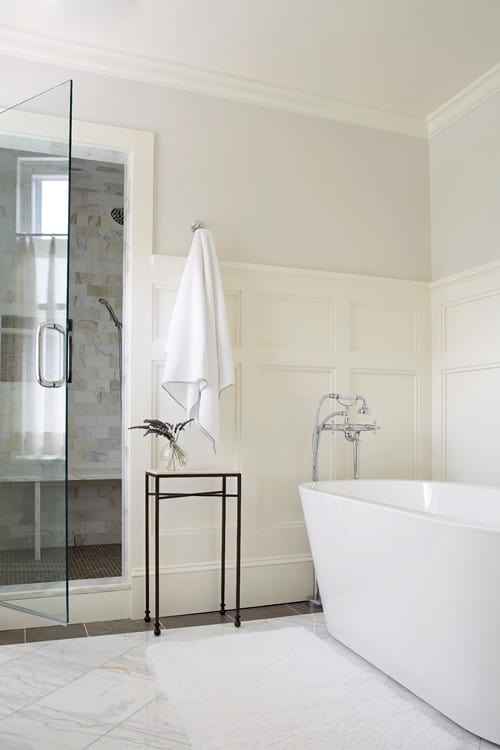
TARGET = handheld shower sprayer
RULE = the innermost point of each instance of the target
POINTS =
(112, 313)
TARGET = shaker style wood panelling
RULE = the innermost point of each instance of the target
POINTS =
(466, 376)
(297, 334)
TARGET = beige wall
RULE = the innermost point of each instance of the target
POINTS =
(465, 190)
(276, 188)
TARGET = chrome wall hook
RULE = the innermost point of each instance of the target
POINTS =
(197, 225)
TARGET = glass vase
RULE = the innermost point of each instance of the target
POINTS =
(173, 457)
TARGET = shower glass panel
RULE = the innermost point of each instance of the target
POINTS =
(35, 154)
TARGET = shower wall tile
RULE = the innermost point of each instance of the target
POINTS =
(94, 435)
(96, 270)
(94, 512)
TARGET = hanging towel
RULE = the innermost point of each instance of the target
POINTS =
(199, 364)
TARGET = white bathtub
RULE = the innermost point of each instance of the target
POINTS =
(409, 575)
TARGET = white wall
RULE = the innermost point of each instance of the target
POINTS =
(466, 376)
(296, 335)
(275, 187)
(465, 191)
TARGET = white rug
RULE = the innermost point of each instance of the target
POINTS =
(287, 689)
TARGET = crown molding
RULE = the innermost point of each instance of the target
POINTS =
(153, 70)
(486, 269)
(465, 101)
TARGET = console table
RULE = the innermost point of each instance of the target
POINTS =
(154, 490)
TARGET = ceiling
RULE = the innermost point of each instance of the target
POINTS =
(405, 57)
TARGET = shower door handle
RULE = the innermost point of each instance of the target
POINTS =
(39, 355)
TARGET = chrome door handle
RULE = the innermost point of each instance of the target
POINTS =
(40, 351)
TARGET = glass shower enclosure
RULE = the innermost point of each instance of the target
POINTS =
(35, 353)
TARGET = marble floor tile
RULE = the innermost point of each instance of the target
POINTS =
(111, 694)
(7, 653)
(159, 720)
(38, 727)
(77, 650)
(121, 739)
(30, 677)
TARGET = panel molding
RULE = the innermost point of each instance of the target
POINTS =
(476, 284)
(389, 307)
(467, 300)
(415, 375)
(273, 526)
(444, 411)
(300, 299)
(158, 290)
(262, 524)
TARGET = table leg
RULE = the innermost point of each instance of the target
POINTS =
(223, 550)
(157, 556)
(237, 621)
(147, 614)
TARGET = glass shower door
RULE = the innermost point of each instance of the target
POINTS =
(35, 160)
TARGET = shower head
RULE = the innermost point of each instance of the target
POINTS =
(111, 311)
(117, 215)
(364, 410)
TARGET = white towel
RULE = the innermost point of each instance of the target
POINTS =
(199, 363)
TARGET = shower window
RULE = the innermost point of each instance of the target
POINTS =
(49, 193)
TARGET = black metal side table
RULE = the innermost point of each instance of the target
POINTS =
(154, 477)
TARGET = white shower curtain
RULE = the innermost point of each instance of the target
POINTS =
(38, 413)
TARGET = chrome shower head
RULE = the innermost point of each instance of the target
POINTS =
(117, 215)
(364, 410)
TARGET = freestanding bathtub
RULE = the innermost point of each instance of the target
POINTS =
(409, 575)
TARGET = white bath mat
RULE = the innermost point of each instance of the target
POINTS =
(287, 689)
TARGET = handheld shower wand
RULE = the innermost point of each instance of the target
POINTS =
(111, 312)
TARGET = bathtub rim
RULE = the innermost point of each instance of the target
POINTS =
(450, 520)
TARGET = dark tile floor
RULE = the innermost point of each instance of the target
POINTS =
(80, 630)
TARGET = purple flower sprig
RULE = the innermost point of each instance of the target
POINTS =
(158, 428)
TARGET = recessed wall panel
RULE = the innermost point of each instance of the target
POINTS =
(288, 399)
(387, 329)
(163, 305)
(472, 327)
(471, 417)
(389, 453)
(295, 321)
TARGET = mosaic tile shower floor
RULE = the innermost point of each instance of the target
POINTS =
(89, 561)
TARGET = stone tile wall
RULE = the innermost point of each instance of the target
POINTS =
(94, 435)
(96, 270)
